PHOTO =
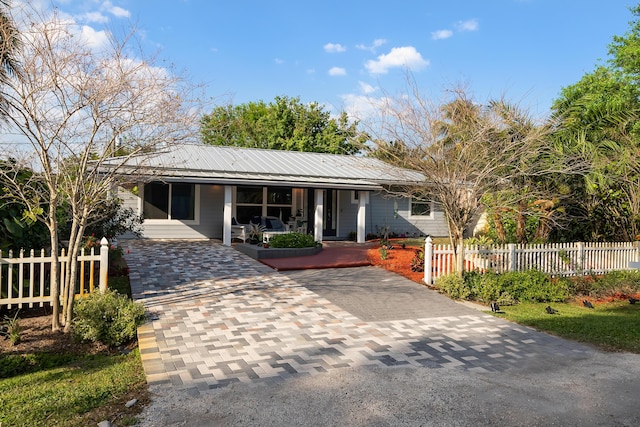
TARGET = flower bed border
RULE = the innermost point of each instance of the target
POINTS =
(258, 252)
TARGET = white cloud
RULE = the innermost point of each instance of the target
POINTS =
(94, 39)
(334, 48)
(366, 88)
(337, 71)
(406, 56)
(95, 17)
(279, 61)
(441, 34)
(376, 44)
(116, 11)
(469, 25)
(119, 12)
(361, 107)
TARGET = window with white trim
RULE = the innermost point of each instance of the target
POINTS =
(169, 201)
(421, 208)
(258, 201)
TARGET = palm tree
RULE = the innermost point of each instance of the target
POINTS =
(9, 44)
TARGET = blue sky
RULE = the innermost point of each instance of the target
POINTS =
(344, 54)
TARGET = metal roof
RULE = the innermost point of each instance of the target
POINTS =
(235, 165)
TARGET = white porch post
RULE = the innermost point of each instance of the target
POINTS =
(226, 232)
(363, 197)
(317, 220)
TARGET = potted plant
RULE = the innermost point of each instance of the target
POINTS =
(255, 233)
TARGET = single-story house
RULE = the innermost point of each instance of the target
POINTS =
(202, 191)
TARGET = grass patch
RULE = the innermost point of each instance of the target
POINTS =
(611, 326)
(70, 391)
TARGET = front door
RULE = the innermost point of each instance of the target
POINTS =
(330, 219)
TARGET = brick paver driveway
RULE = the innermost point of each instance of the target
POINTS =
(218, 317)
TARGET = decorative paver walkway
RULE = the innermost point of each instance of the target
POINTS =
(217, 316)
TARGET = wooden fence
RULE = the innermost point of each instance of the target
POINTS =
(26, 280)
(558, 259)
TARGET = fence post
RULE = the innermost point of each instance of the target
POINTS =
(580, 258)
(513, 265)
(428, 260)
(104, 264)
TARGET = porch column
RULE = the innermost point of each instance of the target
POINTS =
(361, 235)
(317, 220)
(227, 214)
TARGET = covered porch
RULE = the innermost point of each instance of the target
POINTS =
(326, 213)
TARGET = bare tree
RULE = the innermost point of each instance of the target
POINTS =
(75, 106)
(465, 151)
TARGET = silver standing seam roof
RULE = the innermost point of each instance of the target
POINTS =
(242, 166)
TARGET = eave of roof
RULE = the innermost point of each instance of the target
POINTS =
(232, 165)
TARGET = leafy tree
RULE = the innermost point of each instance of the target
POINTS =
(284, 124)
(601, 123)
(466, 151)
(17, 229)
(9, 44)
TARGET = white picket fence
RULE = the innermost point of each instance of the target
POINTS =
(26, 280)
(557, 259)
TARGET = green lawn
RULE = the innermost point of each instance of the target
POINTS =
(69, 391)
(611, 326)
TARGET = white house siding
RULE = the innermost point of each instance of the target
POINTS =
(208, 224)
(347, 214)
(396, 213)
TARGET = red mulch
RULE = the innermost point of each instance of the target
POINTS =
(398, 260)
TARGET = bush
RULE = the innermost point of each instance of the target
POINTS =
(454, 286)
(109, 318)
(293, 240)
(514, 286)
(613, 284)
(417, 262)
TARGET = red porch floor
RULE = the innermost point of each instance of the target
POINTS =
(333, 255)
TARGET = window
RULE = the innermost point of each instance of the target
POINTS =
(421, 208)
(170, 201)
(259, 201)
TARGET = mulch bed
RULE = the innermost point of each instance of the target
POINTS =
(37, 336)
(398, 260)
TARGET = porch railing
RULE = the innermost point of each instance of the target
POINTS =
(558, 259)
(25, 280)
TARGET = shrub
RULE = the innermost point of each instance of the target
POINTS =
(454, 286)
(612, 284)
(417, 262)
(293, 240)
(513, 286)
(533, 286)
(109, 318)
(11, 328)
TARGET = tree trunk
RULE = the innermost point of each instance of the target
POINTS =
(460, 259)
(497, 221)
(54, 280)
(521, 229)
(67, 282)
(74, 248)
